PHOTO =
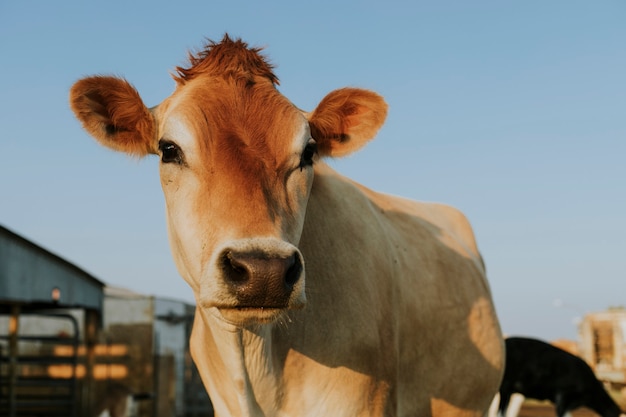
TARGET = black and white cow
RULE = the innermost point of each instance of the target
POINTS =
(542, 371)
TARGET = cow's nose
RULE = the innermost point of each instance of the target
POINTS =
(260, 279)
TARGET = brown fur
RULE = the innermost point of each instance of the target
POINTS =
(246, 129)
(112, 111)
(343, 116)
(228, 58)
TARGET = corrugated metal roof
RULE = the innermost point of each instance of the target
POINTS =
(30, 273)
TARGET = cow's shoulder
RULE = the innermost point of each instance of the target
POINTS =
(445, 223)
(455, 222)
(422, 225)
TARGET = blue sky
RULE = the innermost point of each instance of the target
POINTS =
(514, 112)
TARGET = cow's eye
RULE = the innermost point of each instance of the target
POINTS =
(307, 155)
(170, 152)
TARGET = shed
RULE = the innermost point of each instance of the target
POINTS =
(37, 286)
(33, 277)
(603, 344)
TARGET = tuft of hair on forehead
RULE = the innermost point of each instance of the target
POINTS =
(228, 58)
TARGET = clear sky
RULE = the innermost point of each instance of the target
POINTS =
(514, 112)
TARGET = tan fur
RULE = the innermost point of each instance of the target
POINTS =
(398, 318)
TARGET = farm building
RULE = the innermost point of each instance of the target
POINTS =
(67, 341)
(45, 303)
(603, 344)
(147, 340)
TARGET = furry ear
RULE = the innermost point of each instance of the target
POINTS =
(346, 119)
(111, 110)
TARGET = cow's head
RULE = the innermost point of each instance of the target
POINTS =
(236, 169)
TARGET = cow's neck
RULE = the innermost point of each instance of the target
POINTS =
(250, 366)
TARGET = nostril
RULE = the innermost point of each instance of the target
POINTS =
(294, 269)
(236, 269)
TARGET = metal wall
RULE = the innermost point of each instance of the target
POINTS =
(32, 274)
(38, 288)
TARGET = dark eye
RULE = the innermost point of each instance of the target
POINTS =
(170, 152)
(307, 155)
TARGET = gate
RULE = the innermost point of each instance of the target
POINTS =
(38, 369)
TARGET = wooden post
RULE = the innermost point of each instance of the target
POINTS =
(91, 338)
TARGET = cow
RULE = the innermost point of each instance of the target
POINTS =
(315, 295)
(119, 401)
(539, 370)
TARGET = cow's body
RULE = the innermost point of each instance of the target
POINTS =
(542, 371)
(391, 338)
(395, 317)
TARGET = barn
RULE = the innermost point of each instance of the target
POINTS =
(67, 341)
(49, 310)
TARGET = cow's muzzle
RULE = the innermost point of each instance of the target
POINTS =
(259, 279)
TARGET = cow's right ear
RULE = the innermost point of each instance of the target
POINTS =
(111, 110)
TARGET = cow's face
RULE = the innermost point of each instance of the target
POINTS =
(236, 170)
(236, 164)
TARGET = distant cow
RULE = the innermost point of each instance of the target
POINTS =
(542, 371)
(119, 401)
(316, 296)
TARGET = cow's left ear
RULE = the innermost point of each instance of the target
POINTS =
(346, 119)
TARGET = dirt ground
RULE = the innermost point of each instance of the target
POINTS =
(546, 409)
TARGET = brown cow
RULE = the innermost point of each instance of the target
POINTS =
(394, 317)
